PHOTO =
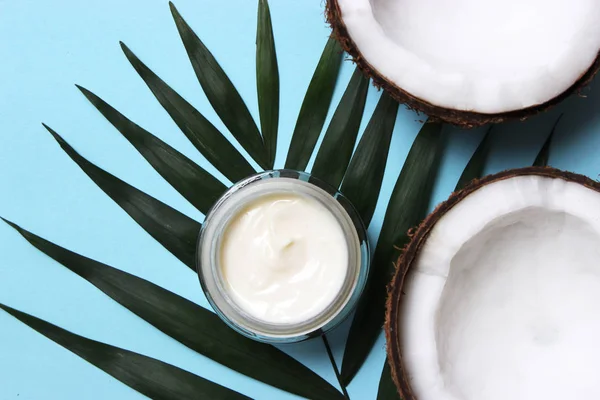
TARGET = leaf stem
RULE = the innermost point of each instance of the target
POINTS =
(335, 367)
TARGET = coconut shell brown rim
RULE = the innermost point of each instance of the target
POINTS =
(418, 239)
(465, 119)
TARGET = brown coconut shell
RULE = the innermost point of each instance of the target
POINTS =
(464, 119)
(411, 251)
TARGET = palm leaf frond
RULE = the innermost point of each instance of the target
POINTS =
(190, 324)
(177, 232)
(149, 376)
(199, 187)
(203, 135)
(221, 93)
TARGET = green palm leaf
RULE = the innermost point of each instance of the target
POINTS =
(177, 232)
(337, 146)
(407, 207)
(362, 182)
(544, 155)
(314, 107)
(221, 93)
(267, 80)
(387, 389)
(207, 139)
(190, 324)
(151, 377)
(476, 165)
(199, 187)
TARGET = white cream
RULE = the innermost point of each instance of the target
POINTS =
(284, 258)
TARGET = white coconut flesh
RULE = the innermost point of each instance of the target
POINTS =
(486, 56)
(503, 299)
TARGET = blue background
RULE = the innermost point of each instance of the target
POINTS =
(45, 48)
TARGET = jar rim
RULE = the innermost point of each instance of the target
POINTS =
(228, 206)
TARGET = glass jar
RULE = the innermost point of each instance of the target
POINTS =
(228, 206)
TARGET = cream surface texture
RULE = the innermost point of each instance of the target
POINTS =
(284, 258)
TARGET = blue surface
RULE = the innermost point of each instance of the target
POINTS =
(45, 48)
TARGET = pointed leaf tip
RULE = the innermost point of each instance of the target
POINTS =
(176, 231)
(173, 9)
(125, 49)
(543, 156)
(55, 135)
(9, 310)
(217, 149)
(84, 91)
(194, 183)
(11, 224)
(222, 94)
(26, 234)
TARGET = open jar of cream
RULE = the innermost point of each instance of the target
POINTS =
(282, 257)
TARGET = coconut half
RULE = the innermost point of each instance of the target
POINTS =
(471, 62)
(497, 296)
